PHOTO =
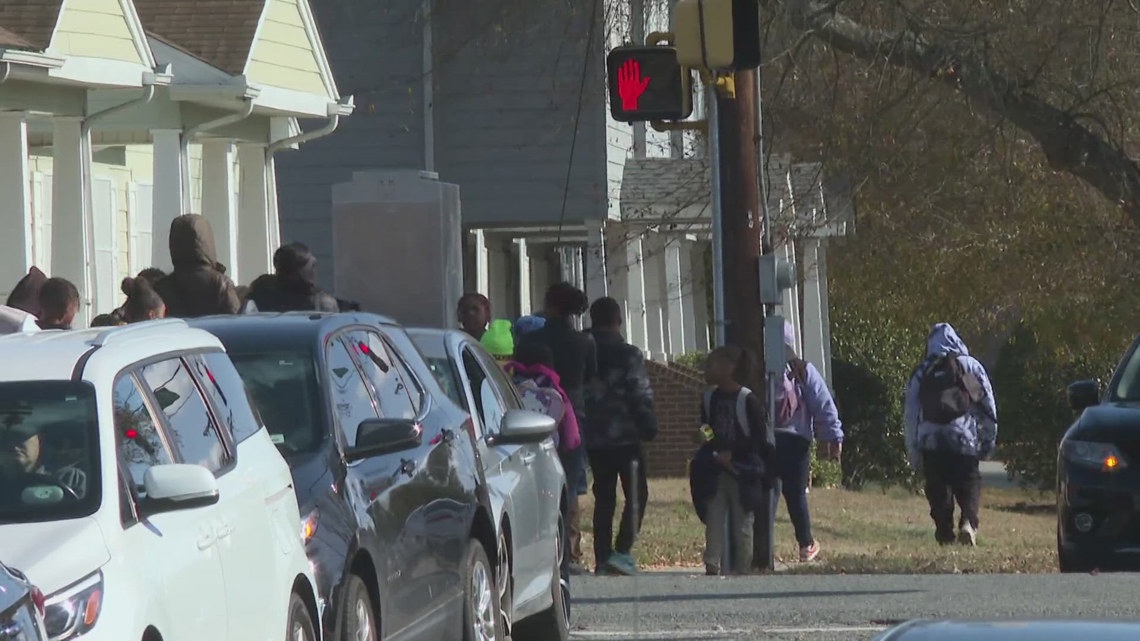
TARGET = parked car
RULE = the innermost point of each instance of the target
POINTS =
(525, 477)
(140, 491)
(21, 608)
(396, 514)
(1014, 630)
(1098, 473)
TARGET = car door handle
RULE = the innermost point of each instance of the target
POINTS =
(224, 530)
(528, 458)
(206, 540)
(408, 467)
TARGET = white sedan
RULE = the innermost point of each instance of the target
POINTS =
(525, 480)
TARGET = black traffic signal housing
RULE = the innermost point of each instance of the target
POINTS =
(647, 83)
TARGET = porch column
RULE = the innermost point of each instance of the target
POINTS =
(675, 308)
(635, 308)
(688, 300)
(218, 199)
(16, 206)
(255, 257)
(525, 293)
(700, 293)
(812, 339)
(653, 263)
(71, 245)
(482, 262)
(168, 194)
(597, 282)
(272, 212)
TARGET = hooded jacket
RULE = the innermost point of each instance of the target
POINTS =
(816, 417)
(271, 293)
(25, 295)
(974, 434)
(198, 285)
(619, 400)
(569, 432)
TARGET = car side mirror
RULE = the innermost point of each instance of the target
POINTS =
(377, 436)
(524, 426)
(1083, 394)
(178, 486)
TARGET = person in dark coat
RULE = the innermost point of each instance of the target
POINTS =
(198, 286)
(25, 295)
(293, 285)
(575, 361)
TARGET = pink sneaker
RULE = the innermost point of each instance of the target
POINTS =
(809, 553)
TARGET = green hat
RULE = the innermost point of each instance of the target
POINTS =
(498, 339)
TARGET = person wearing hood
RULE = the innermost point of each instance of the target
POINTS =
(950, 422)
(198, 285)
(619, 419)
(293, 285)
(23, 305)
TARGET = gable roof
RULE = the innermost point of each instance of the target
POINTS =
(219, 32)
(28, 24)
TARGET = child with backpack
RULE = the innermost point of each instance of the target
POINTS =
(950, 422)
(730, 472)
(532, 371)
(805, 412)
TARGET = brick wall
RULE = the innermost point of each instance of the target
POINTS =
(677, 392)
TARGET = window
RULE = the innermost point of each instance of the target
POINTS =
(224, 385)
(506, 389)
(487, 402)
(378, 366)
(193, 433)
(287, 393)
(140, 443)
(352, 403)
(415, 391)
(49, 451)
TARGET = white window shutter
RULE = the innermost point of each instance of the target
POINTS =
(106, 256)
(142, 226)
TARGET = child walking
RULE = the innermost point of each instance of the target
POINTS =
(741, 455)
(532, 371)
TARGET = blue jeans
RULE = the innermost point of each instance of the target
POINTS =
(793, 466)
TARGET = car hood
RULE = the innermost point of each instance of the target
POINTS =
(1108, 422)
(1012, 631)
(54, 554)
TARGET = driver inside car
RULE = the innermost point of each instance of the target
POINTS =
(23, 451)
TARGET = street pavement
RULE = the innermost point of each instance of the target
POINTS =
(667, 606)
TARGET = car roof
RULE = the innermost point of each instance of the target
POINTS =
(1027, 630)
(431, 338)
(57, 354)
(286, 330)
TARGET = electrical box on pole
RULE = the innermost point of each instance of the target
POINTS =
(719, 35)
(647, 83)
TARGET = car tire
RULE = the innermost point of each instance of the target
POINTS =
(506, 583)
(358, 617)
(552, 624)
(300, 625)
(482, 620)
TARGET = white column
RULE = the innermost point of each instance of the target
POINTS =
(71, 201)
(482, 262)
(674, 304)
(791, 305)
(597, 278)
(700, 293)
(272, 212)
(825, 310)
(653, 262)
(525, 294)
(689, 302)
(168, 192)
(812, 334)
(16, 205)
(254, 257)
(218, 199)
(636, 310)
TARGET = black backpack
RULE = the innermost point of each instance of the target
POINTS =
(946, 391)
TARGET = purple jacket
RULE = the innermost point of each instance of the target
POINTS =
(816, 418)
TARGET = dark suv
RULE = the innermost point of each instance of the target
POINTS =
(393, 503)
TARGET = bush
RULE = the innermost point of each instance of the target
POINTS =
(692, 360)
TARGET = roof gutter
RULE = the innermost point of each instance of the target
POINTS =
(189, 134)
(336, 110)
(7, 72)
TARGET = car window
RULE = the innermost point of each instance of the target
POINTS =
(503, 384)
(49, 451)
(487, 401)
(445, 375)
(141, 444)
(193, 434)
(415, 391)
(224, 385)
(350, 398)
(287, 393)
(384, 374)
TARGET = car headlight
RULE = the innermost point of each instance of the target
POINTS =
(75, 610)
(1103, 456)
(309, 527)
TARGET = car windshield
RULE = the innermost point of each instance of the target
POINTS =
(285, 388)
(435, 355)
(49, 451)
(1127, 387)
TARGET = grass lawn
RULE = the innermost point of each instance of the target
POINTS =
(868, 532)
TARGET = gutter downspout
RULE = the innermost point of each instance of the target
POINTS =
(7, 72)
(189, 134)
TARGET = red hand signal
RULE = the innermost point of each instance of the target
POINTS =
(631, 85)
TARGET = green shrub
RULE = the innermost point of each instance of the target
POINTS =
(692, 360)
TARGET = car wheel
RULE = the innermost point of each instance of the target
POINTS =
(506, 582)
(552, 624)
(358, 619)
(300, 626)
(482, 620)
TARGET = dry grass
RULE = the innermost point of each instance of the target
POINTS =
(869, 532)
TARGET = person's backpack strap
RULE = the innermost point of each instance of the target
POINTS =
(706, 404)
(742, 411)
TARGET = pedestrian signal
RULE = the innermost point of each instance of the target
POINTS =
(647, 83)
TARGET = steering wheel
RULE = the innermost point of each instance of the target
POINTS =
(33, 479)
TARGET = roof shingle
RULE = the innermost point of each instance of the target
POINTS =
(219, 32)
(28, 24)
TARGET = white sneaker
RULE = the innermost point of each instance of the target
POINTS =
(967, 535)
